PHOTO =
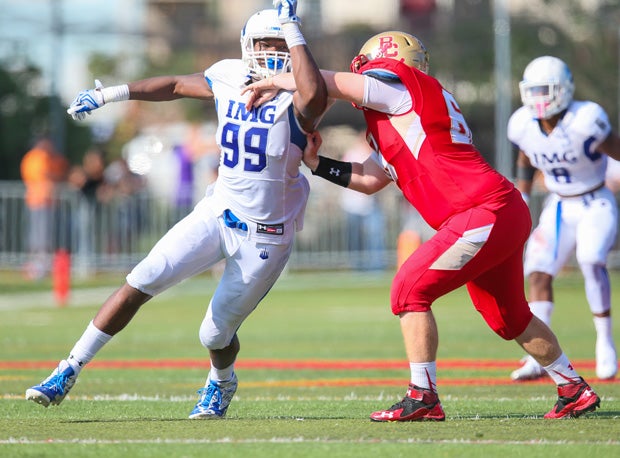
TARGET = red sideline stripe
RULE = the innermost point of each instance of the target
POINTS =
(284, 364)
(471, 381)
(383, 382)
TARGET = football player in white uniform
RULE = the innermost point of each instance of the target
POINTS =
(569, 142)
(248, 217)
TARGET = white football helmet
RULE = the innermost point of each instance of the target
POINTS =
(263, 64)
(547, 87)
(395, 45)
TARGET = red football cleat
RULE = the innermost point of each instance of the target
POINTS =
(420, 404)
(574, 399)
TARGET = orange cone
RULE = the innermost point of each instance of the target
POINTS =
(408, 241)
(61, 277)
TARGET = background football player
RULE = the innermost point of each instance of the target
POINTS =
(568, 141)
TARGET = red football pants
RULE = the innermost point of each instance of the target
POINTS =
(494, 275)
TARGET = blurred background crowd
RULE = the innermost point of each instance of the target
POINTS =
(106, 188)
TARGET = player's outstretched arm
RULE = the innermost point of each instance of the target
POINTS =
(164, 88)
(310, 98)
(262, 91)
(367, 177)
(340, 86)
(157, 89)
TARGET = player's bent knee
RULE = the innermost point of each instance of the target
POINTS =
(150, 273)
(506, 333)
(214, 341)
(399, 307)
(213, 337)
(404, 298)
(592, 268)
(514, 329)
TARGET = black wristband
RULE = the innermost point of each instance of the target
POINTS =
(338, 172)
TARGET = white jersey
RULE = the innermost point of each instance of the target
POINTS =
(260, 155)
(580, 214)
(567, 156)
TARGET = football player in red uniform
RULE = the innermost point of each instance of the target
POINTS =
(422, 143)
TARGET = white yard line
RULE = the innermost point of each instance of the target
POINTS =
(301, 439)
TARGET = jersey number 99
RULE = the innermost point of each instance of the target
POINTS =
(249, 147)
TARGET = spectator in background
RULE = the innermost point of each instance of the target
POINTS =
(89, 180)
(184, 193)
(122, 195)
(364, 217)
(206, 155)
(93, 165)
(42, 169)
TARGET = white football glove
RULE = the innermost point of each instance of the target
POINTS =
(287, 11)
(87, 101)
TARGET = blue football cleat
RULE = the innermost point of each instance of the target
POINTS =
(214, 399)
(53, 389)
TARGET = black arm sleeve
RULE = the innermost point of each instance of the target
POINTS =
(338, 172)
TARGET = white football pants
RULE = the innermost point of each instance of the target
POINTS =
(195, 244)
(587, 224)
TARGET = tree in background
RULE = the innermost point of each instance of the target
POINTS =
(24, 117)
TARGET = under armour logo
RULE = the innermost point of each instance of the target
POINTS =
(264, 254)
(335, 172)
(387, 414)
(80, 363)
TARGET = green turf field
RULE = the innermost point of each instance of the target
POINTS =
(320, 353)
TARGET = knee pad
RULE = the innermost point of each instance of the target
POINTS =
(213, 336)
(150, 274)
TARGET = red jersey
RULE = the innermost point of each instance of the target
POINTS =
(429, 150)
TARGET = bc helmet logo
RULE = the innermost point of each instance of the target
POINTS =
(385, 45)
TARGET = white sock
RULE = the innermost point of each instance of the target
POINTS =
(221, 375)
(561, 370)
(424, 375)
(542, 310)
(602, 324)
(87, 346)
